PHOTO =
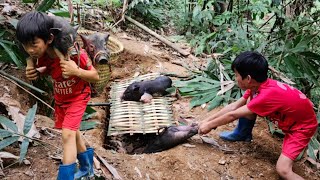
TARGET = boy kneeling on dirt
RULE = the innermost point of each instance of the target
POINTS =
(71, 94)
(285, 105)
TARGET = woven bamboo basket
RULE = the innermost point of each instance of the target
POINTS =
(129, 117)
(115, 47)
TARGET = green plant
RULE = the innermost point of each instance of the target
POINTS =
(45, 5)
(314, 149)
(85, 125)
(205, 89)
(153, 12)
(10, 134)
(9, 50)
(290, 44)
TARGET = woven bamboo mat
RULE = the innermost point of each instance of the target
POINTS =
(129, 117)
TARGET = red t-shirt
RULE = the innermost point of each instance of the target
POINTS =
(70, 89)
(288, 107)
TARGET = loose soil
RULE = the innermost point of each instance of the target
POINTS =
(193, 160)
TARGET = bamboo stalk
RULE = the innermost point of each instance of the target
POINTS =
(23, 83)
(99, 104)
(181, 51)
(27, 91)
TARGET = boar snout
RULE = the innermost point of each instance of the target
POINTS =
(103, 59)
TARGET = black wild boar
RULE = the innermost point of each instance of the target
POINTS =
(95, 45)
(64, 34)
(170, 137)
(143, 91)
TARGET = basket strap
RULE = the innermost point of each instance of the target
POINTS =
(77, 47)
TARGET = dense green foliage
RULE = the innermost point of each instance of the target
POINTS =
(289, 42)
(9, 49)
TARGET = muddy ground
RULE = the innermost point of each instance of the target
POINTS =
(193, 160)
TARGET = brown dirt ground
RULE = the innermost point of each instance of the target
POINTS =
(255, 160)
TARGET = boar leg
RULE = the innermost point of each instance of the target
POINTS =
(146, 98)
(62, 58)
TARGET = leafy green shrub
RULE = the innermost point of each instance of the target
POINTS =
(9, 50)
(10, 135)
(152, 12)
(289, 43)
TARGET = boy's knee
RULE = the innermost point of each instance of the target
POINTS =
(284, 166)
(282, 171)
(68, 135)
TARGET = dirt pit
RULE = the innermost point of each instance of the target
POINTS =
(129, 144)
(191, 160)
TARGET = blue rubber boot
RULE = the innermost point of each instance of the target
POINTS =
(66, 172)
(243, 131)
(90, 156)
(86, 164)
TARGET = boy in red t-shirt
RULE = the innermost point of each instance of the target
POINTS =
(71, 94)
(289, 108)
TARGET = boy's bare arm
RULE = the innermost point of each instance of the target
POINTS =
(31, 72)
(70, 68)
(230, 107)
(226, 118)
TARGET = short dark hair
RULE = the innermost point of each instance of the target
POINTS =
(253, 64)
(34, 24)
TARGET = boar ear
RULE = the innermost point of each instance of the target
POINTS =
(136, 87)
(76, 27)
(85, 40)
(106, 37)
(55, 31)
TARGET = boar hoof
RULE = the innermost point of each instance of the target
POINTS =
(146, 98)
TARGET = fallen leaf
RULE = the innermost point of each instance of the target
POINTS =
(147, 176)
(216, 55)
(210, 141)
(7, 88)
(29, 173)
(189, 145)
(146, 49)
(7, 155)
(125, 36)
(244, 162)
(96, 163)
(214, 143)
(222, 161)
(18, 117)
(136, 74)
(7, 8)
(26, 162)
(138, 171)
(112, 170)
